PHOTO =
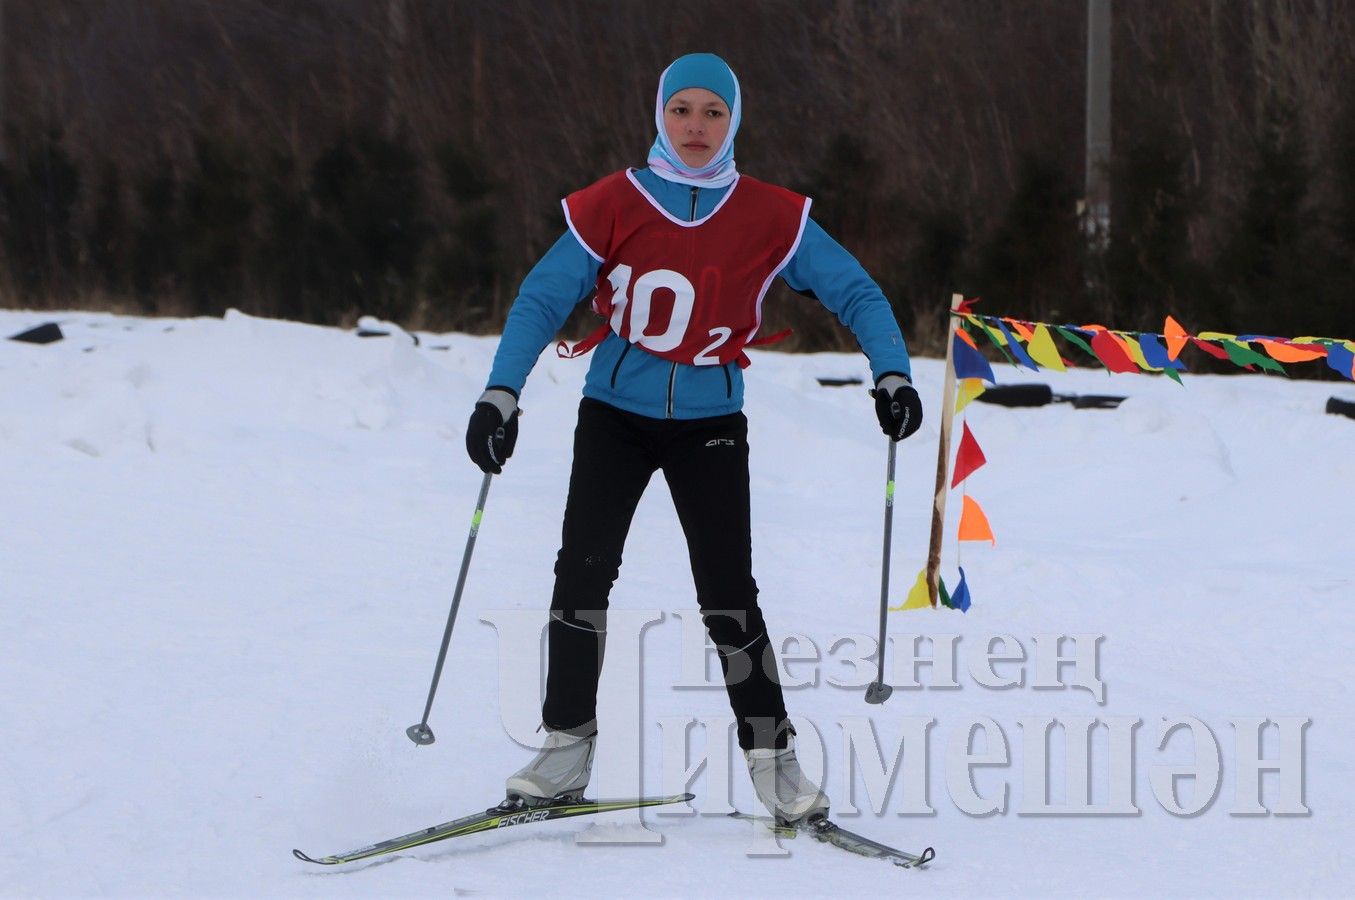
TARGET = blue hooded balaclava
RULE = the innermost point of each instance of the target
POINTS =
(697, 70)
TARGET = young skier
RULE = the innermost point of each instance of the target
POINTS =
(680, 254)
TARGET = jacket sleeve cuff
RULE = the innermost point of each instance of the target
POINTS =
(884, 375)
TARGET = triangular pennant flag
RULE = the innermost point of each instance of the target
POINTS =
(1041, 349)
(1244, 356)
(968, 458)
(1021, 328)
(1216, 352)
(1072, 337)
(1133, 350)
(969, 363)
(977, 321)
(943, 596)
(998, 340)
(1156, 355)
(966, 391)
(963, 334)
(1341, 359)
(973, 523)
(1111, 353)
(918, 596)
(1015, 347)
(1176, 338)
(960, 599)
(1287, 352)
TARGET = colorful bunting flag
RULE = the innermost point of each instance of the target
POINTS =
(1157, 356)
(1041, 349)
(1341, 359)
(1133, 350)
(966, 391)
(1112, 353)
(960, 599)
(973, 523)
(1118, 351)
(1031, 345)
(918, 595)
(1020, 328)
(1287, 352)
(969, 363)
(1244, 356)
(1072, 337)
(1216, 352)
(998, 340)
(1015, 347)
(1176, 338)
(968, 458)
(977, 321)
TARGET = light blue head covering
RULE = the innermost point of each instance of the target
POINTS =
(697, 70)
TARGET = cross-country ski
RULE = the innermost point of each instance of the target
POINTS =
(505, 815)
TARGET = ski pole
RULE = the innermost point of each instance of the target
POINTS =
(878, 691)
(421, 734)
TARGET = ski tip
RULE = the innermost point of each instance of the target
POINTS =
(304, 858)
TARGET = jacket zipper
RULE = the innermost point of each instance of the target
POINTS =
(672, 377)
(620, 359)
(672, 373)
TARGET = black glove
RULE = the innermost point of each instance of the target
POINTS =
(897, 406)
(493, 429)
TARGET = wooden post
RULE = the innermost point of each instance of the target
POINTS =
(943, 457)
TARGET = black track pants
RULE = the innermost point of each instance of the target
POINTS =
(705, 462)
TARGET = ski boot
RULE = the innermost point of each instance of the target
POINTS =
(789, 796)
(559, 773)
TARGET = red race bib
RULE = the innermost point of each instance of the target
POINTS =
(690, 292)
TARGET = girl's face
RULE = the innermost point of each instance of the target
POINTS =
(697, 121)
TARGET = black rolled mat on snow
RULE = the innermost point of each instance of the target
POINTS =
(46, 333)
(1041, 395)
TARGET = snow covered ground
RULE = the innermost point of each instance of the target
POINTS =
(227, 550)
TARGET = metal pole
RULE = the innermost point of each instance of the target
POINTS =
(878, 691)
(421, 734)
